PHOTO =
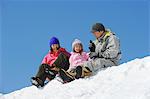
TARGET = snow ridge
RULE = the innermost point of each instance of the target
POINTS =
(127, 81)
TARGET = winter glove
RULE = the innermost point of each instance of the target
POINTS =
(93, 55)
(92, 46)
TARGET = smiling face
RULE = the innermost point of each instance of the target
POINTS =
(55, 47)
(98, 34)
(78, 48)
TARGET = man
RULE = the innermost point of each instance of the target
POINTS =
(104, 52)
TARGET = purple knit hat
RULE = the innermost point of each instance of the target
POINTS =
(53, 40)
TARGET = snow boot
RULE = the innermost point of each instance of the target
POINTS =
(86, 72)
(66, 77)
(37, 82)
(79, 72)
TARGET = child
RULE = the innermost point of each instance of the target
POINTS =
(56, 59)
(76, 60)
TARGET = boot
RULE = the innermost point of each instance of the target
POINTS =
(37, 82)
(86, 72)
(78, 72)
(66, 77)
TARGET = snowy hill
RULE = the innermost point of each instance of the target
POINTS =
(128, 81)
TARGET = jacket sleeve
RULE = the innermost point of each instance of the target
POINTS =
(44, 61)
(87, 56)
(112, 48)
(71, 61)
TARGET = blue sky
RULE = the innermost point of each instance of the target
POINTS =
(27, 26)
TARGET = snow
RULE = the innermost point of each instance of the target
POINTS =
(128, 81)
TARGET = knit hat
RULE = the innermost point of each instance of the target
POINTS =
(76, 41)
(98, 27)
(53, 40)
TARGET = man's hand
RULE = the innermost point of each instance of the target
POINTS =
(92, 46)
(93, 55)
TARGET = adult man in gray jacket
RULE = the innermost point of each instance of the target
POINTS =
(105, 50)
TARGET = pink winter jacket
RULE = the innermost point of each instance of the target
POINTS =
(51, 56)
(77, 59)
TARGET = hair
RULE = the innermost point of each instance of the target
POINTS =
(80, 50)
(98, 27)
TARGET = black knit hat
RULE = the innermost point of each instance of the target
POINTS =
(98, 27)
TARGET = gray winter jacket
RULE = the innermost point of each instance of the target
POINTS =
(107, 51)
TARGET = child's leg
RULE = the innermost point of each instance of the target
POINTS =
(62, 62)
(43, 73)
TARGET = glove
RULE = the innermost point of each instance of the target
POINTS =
(92, 46)
(93, 55)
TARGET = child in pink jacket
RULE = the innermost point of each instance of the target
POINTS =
(56, 59)
(77, 59)
(78, 56)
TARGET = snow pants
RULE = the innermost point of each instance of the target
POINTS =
(46, 71)
(97, 64)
